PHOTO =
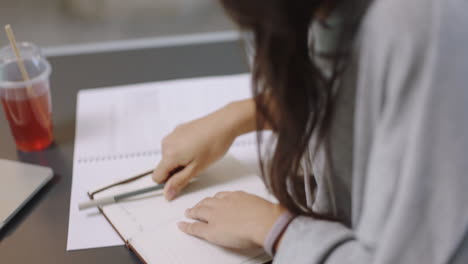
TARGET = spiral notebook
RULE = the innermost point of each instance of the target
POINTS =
(118, 134)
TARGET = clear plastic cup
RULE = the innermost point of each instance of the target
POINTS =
(27, 104)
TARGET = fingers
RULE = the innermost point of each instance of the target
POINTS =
(162, 171)
(198, 229)
(200, 213)
(222, 194)
(178, 181)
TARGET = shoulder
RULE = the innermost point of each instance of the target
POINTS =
(417, 20)
(405, 47)
(394, 49)
(400, 20)
(403, 31)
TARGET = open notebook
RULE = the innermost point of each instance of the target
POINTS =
(147, 223)
(118, 134)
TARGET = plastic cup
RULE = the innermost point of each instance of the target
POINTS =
(27, 104)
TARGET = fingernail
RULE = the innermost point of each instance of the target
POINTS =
(171, 194)
(181, 225)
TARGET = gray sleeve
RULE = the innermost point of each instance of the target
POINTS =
(413, 97)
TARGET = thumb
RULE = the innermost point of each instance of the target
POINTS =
(178, 181)
(162, 171)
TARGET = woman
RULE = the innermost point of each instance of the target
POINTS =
(367, 100)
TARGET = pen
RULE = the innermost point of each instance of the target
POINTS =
(118, 197)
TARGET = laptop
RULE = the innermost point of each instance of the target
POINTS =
(19, 182)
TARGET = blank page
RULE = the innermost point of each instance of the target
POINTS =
(169, 245)
(148, 222)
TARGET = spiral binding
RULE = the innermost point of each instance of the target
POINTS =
(150, 153)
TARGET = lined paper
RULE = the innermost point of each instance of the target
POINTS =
(118, 135)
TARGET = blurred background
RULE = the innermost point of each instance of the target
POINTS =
(70, 22)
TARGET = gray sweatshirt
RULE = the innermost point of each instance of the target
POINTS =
(399, 181)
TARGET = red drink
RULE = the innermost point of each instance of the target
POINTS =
(29, 113)
(26, 100)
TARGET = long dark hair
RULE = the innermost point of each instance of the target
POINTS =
(292, 94)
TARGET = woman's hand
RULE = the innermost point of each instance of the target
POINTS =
(193, 146)
(232, 219)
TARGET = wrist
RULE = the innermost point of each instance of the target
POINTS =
(275, 235)
(268, 222)
(242, 117)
